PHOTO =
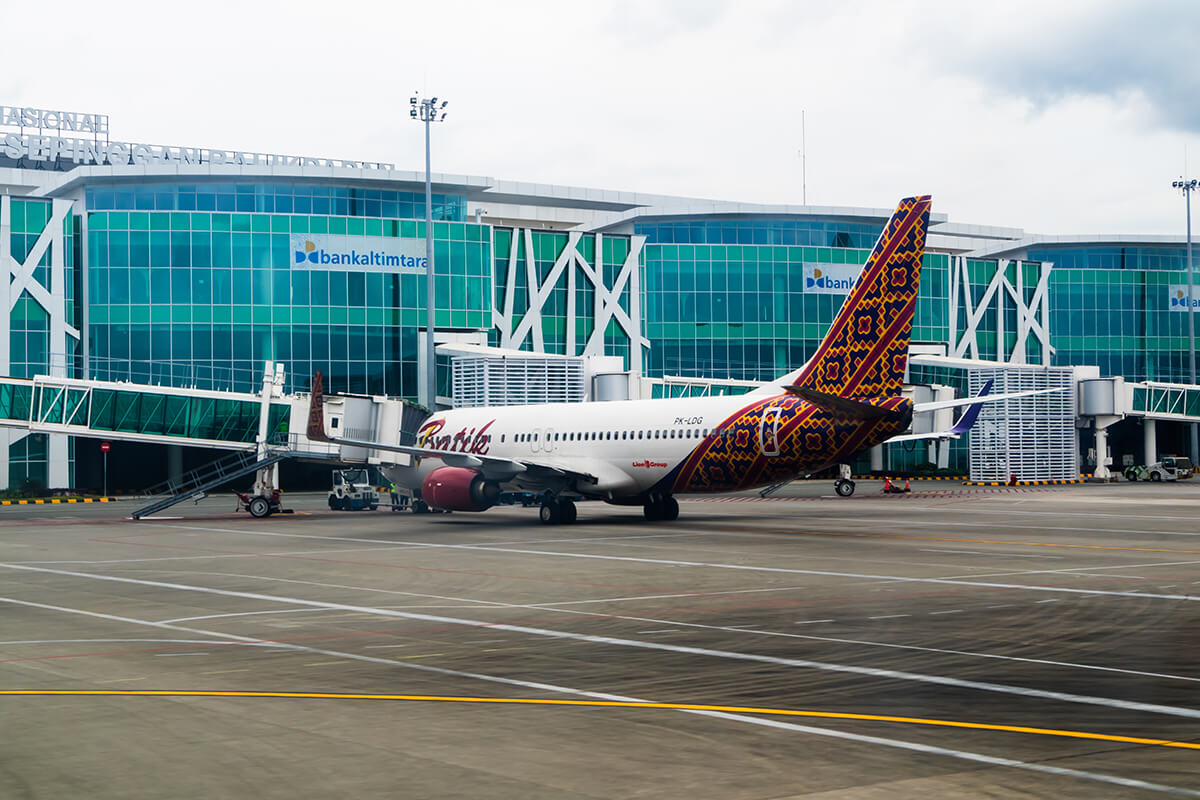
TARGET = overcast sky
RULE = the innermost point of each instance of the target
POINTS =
(1058, 117)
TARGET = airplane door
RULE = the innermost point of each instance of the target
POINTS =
(768, 431)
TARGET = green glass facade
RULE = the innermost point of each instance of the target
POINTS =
(1120, 320)
(200, 298)
(742, 312)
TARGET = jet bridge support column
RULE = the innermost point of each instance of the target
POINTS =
(266, 479)
(1149, 440)
(1103, 459)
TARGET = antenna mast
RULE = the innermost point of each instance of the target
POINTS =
(803, 162)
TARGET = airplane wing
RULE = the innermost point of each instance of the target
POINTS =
(492, 467)
(967, 420)
(975, 401)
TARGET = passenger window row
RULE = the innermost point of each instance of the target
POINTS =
(608, 436)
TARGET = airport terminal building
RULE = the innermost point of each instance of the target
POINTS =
(191, 267)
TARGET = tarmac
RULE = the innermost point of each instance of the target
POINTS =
(954, 641)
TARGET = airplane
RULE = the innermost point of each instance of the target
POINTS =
(844, 400)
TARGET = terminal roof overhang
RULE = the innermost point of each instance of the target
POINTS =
(581, 208)
(60, 184)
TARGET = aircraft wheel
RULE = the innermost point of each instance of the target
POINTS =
(652, 510)
(844, 488)
(259, 507)
(420, 507)
(550, 513)
(670, 509)
(568, 511)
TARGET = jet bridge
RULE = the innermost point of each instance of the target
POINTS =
(265, 428)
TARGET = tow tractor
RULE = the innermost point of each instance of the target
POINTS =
(1171, 468)
(352, 491)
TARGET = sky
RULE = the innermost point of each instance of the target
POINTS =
(1058, 117)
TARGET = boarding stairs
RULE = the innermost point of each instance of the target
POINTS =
(196, 485)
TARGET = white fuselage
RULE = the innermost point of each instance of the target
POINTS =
(628, 446)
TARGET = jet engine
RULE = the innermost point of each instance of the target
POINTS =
(459, 489)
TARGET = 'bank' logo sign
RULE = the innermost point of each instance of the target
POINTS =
(830, 278)
(357, 253)
(1178, 295)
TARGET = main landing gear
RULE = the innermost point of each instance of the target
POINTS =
(661, 509)
(557, 510)
(844, 487)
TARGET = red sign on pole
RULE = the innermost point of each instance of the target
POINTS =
(105, 447)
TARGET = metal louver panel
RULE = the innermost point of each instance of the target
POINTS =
(1033, 438)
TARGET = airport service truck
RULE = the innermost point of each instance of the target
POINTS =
(352, 491)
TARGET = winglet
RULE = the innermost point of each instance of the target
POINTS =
(969, 417)
(316, 412)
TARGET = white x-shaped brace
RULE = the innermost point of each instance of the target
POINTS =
(1027, 321)
(607, 300)
(21, 274)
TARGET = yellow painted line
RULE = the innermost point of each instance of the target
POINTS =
(785, 712)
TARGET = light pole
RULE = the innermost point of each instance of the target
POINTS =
(1187, 187)
(428, 111)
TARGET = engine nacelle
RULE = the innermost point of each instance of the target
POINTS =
(459, 489)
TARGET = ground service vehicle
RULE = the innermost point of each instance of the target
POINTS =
(352, 491)
(1171, 468)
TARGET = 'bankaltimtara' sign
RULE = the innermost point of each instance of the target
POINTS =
(1177, 298)
(357, 253)
(830, 278)
(45, 146)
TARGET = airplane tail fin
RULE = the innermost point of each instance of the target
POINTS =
(865, 350)
(316, 412)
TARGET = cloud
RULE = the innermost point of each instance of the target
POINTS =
(1131, 54)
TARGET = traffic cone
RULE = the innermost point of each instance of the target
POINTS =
(906, 485)
(887, 484)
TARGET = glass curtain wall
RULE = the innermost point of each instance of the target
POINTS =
(198, 298)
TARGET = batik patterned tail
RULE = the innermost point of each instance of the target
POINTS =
(866, 349)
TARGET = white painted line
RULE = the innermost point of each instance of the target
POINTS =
(739, 567)
(750, 720)
(890, 616)
(875, 672)
(953, 611)
(663, 630)
(383, 646)
(238, 614)
(1051, 600)
(813, 621)
(178, 655)
(758, 631)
